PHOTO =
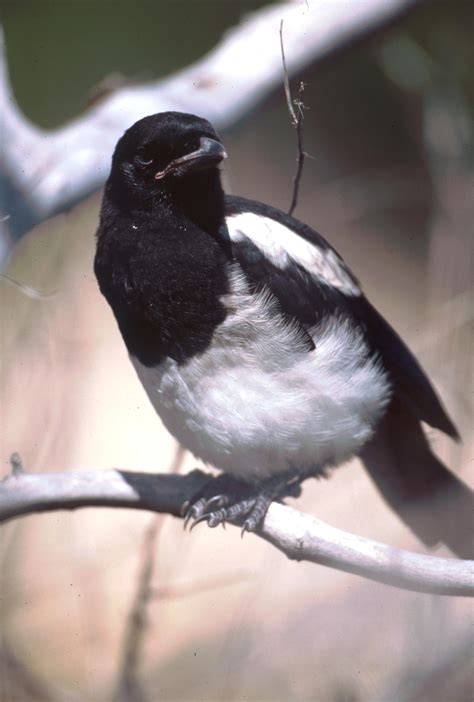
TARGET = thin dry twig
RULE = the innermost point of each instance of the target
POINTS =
(299, 536)
(28, 290)
(296, 116)
(129, 688)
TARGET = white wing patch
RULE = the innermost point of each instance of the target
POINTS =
(282, 246)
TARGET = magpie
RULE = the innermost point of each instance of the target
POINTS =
(255, 343)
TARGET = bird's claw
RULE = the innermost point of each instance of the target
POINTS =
(236, 505)
(223, 514)
(213, 519)
(216, 501)
(199, 520)
(203, 510)
(246, 526)
(184, 508)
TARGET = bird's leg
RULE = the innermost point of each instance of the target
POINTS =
(276, 488)
(226, 499)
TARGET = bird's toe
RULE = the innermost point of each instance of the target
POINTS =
(236, 501)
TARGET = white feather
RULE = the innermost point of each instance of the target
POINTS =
(282, 245)
(256, 403)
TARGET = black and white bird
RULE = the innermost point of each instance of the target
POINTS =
(255, 342)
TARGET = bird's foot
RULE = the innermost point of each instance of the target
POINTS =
(226, 499)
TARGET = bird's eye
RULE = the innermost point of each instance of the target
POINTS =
(144, 159)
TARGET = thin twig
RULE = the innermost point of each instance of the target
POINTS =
(296, 117)
(299, 536)
(28, 290)
(129, 688)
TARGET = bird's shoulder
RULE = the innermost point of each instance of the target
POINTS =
(295, 263)
(263, 234)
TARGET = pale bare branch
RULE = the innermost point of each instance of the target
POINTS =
(299, 536)
(52, 169)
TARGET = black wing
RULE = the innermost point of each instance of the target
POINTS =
(311, 281)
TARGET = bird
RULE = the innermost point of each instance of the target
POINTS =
(255, 342)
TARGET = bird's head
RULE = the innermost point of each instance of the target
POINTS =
(166, 153)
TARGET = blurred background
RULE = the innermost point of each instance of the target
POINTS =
(114, 604)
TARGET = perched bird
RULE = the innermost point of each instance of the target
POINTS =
(255, 342)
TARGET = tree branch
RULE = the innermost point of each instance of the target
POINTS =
(299, 536)
(50, 170)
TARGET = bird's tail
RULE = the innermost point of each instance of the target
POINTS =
(435, 504)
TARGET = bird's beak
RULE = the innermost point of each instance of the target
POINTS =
(210, 153)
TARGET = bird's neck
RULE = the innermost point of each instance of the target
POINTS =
(199, 197)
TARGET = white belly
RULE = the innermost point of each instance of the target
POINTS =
(256, 403)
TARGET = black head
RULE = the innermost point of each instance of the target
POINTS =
(163, 154)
